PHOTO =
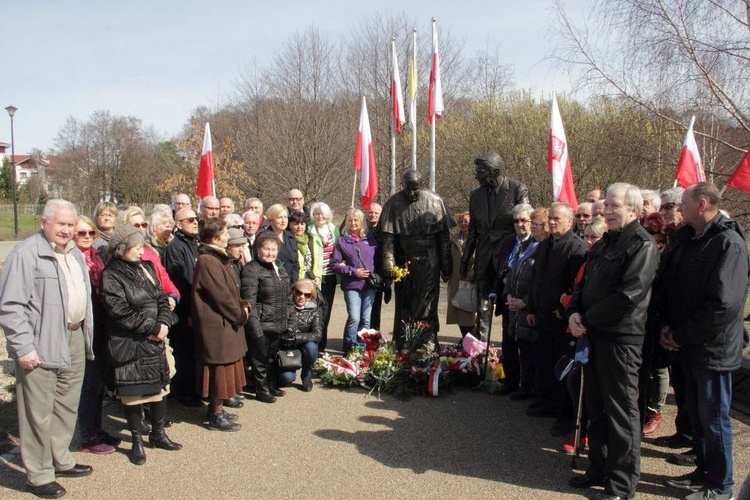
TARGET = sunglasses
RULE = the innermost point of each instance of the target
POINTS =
(84, 234)
(189, 219)
(142, 225)
(669, 206)
(306, 295)
(522, 221)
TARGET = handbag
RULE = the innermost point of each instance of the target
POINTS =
(289, 360)
(465, 297)
(376, 281)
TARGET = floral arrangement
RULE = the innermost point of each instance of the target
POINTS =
(399, 273)
(418, 368)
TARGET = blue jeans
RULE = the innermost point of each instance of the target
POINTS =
(708, 395)
(309, 355)
(358, 307)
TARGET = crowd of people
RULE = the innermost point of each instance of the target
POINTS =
(203, 304)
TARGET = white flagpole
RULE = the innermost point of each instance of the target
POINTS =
(432, 125)
(354, 187)
(413, 108)
(393, 122)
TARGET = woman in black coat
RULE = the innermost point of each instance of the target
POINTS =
(265, 285)
(306, 325)
(138, 320)
(278, 223)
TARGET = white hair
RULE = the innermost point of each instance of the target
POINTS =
(54, 206)
(632, 197)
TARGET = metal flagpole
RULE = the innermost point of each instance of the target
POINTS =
(354, 187)
(393, 124)
(413, 93)
(432, 119)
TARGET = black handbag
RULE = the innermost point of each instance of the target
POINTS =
(289, 359)
(374, 279)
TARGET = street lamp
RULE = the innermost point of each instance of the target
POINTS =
(12, 111)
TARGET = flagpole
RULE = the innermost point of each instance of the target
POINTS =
(432, 125)
(354, 188)
(393, 125)
(413, 109)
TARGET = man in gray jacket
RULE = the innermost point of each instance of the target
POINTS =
(46, 315)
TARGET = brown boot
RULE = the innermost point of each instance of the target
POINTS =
(653, 421)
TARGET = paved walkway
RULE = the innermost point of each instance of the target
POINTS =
(341, 443)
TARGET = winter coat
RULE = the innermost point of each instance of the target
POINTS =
(518, 285)
(288, 254)
(136, 307)
(306, 323)
(218, 311)
(268, 291)
(346, 260)
(179, 260)
(150, 255)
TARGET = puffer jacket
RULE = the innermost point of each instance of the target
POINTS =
(305, 323)
(136, 307)
(269, 294)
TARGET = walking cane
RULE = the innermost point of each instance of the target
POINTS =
(576, 448)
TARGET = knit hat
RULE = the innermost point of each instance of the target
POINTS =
(120, 234)
(236, 237)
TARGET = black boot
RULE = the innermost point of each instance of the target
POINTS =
(157, 438)
(220, 422)
(137, 454)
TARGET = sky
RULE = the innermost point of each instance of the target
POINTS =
(159, 60)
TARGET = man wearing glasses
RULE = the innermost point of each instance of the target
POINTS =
(297, 203)
(583, 218)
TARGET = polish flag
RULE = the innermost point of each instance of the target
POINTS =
(690, 166)
(397, 97)
(741, 177)
(364, 159)
(435, 105)
(413, 86)
(558, 162)
(206, 183)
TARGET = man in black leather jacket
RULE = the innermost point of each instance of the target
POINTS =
(609, 306)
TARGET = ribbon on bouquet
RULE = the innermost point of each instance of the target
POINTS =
(434, 379)
(340, 364)
(471, 364)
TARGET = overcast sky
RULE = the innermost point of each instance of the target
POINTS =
(159, 60)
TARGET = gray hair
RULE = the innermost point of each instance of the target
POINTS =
(567, 209)
(53, 206)
(250, 200)
(124, 216)
(161, 214)
(250, 213)
(521, 208)
(323, 208)
(130, 241)
(234, 220)
(673, 195)
(632, 197)
(361, 215)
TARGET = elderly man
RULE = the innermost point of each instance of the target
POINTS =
(181, 200)
(583, 217)
(226, 207)
(597, 208)
(594, 195)
(609, 306)
(180, 257)
(252, 225)
(210, 207)
(558, 259)
(415, 225)
(651, 202)
(702, 322)
(490, 208)
(297, 203)
(256, 206)
(373, 215)
(46, 314)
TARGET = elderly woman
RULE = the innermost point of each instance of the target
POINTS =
(323, 237)
(138, 320)
(93, 438)
(354, 261)
(219, 316)
(104, 216)
(278, 223)
(266, 286)
(298, 226)
(305, 323)
(455, 316)
(160, 229)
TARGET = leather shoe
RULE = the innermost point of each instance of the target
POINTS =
(584, 481)
(49, 490)
(233, 403)
(674, 441)
(229, 416)
(607, 496)
(220, 422)
(78, 470)
(264, 397)
(275, 391)
(686, 459)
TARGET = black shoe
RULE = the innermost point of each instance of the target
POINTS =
(307, 384)
(507, 390)
(674, 441)
(540, 411)
(190, 401)
(78, 470)
(607, 496)
(221, 423)
(584, 481)
(562, 427)
(264, 397)
(521, 396)
(49, 490)
(137, 455)
(233, 403)
(275, 391)
(685, 459)
(229, 416)
(163, 442)
(693, 481)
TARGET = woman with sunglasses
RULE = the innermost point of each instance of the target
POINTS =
(93, 437)
(305, 322)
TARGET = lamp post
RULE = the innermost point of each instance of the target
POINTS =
(12, 111)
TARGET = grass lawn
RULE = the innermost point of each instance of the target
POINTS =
(27, 225)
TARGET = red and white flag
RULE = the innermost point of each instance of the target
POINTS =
(364, 159)
(690, 166)
(206, 185)
(397, 96)
(558, 161)
(741, 177)
(435, 105)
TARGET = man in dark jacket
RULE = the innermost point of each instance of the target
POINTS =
(558, 259)
(490, 208)
(179, 260)
(702, 322)
(609, 305)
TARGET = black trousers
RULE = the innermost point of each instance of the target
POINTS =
(611, 393)
(682, 422)
(511, 360)
(553, 343)
(263, 351)
(185, 381)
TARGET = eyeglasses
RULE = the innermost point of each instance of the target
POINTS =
(84, 234)
(211, 208)
(189, 219)
(583, 216)
(295, 199)
(306, 295)
(142, 225)
(669, 206)
(522, 221)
